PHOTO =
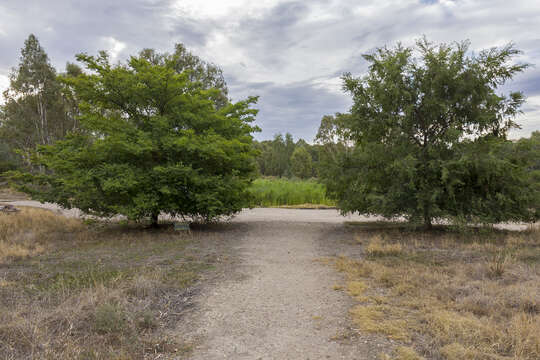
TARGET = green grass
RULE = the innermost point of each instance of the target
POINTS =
(287, 192)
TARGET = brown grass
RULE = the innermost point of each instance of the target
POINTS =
(74, 291)
(28, 232)
(444, 295)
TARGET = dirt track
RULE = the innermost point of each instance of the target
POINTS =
(282, 305)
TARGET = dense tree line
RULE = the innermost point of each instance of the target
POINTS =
(283, 157)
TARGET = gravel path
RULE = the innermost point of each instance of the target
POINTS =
(283, 305)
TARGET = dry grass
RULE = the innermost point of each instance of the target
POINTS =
(444, 295)
(74, 291)
(28, 232)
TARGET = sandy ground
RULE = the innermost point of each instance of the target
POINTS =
(280, 303)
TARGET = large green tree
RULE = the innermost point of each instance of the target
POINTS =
(425, 137)
(152, 141)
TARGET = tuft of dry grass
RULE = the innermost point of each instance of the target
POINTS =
(402, 353)
(444, 295)
(28, 232)
(69, 290)
(378, 248)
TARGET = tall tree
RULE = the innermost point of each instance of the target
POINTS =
(35, 111)
(301, 165)
(152, 142)
(425, 128)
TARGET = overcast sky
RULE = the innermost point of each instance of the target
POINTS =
(291, 53)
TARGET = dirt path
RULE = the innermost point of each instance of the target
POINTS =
(283, 305)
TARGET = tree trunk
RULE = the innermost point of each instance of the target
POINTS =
(427, 219)
(155, 220)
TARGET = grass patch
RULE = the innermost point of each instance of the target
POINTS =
(75, 290)
(446, 295)
(273, 192)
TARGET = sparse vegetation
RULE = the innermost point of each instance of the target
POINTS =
(271, 192)
(444, 295)
(69, 290)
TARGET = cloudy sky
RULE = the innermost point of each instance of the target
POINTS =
(291, 53)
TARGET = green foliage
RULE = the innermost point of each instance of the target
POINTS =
(275, 156)
(151, 142)
(301, 163)
(426, 137)
(36, 109)
(279, 192)
(199, 72)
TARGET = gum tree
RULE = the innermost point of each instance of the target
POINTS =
(425, 136)
(151, 142)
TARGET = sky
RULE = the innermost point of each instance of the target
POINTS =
(290, 53)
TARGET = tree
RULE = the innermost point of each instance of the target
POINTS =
(152, 142)
(203, 73)
(35, 111)
(424, 135)
(301, 163)
(279, 162)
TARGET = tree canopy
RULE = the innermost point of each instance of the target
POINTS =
(151, 141)
(425, 137)
(301, 163)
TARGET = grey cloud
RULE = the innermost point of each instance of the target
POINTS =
(278, 54)
(66, 28)
(296, 108)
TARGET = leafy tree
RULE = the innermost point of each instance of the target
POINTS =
(301, 163)
(425, 137)
(152, 142)
(203, 73)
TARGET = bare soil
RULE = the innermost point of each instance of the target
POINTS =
(280, 303)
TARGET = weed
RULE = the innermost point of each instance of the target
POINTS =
(110, 319)
(497, 264)
(402, 353)
(147, 321)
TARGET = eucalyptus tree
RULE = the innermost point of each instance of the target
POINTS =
(37, 109)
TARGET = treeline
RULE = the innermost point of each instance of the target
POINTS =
(283, 157)
(426, 137)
